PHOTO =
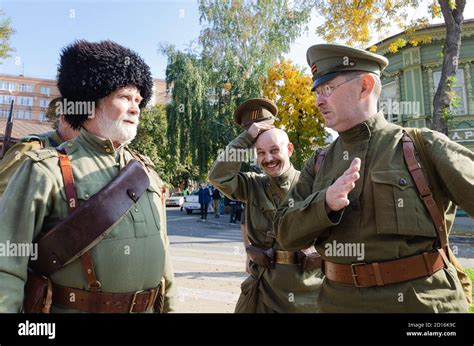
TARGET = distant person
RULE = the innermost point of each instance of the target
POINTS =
(216, 200)
(204, 200)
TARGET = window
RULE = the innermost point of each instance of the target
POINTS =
(42, 116)
(460, 89)
(44, 103)
(6, 99)
(22, 114)
(45, 90)
(10, 86)
(28, 88)
(388, 103)
(25, 101)
(4, 113)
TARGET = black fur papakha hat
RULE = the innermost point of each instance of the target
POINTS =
(89, 71)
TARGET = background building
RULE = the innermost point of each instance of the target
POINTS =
(411, 79)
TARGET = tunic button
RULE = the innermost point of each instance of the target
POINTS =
(69, 145)
(402, 182)
(86, 196)
(107, 150)
(136, 210)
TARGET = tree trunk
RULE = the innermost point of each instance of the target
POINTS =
(453, 19)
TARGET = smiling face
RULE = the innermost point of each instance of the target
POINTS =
(117, 115)
(273, 152)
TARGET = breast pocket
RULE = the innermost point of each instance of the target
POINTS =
(264, 215)
(398, 207)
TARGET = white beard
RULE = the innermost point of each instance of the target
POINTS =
(117, 130)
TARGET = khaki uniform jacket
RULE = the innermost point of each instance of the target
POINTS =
(385, 215)
(283, 289)
(16, 154)
(133, 256)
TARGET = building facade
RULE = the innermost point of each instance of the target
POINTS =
(411, 79)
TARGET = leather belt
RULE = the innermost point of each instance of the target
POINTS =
(286, 257)
(306, 259)
(87, 301)
(385, 273)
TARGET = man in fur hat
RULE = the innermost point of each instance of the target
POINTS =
(104, 87)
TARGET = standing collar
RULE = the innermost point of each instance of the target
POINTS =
(96, 143)
(365, 129)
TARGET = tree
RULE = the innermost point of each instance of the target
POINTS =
(151, 140)
(445, 95)
(6, 31)
(355, 23)
(239, 42)
(290, 89)
(187, 132)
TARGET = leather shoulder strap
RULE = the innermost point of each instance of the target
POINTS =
(71, 196)
(68, 179)
(320, 159)
(409, 153)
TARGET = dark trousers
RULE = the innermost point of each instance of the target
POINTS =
(235, 213)
(204, 207)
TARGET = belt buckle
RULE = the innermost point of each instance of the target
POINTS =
(354, 274)
(134, 301)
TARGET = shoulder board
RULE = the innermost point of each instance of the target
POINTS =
(145, 159)
(32, 138)
(42, 154)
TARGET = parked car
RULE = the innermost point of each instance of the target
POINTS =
(191, 203)
(175, 200)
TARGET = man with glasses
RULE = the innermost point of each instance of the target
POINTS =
(357, 202)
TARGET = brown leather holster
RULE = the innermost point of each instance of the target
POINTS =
(262, 257)
(309, 259)
(81, 230)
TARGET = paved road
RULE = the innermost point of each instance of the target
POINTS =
(209, 261)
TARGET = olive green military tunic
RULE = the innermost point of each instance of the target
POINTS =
(133, 256)
(16, 154)
(283, 289)
(385, 214)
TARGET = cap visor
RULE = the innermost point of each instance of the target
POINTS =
(324, 79)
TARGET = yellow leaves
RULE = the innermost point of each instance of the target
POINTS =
(396, 45)
(435, 9)
(373, 49)
(452, 4)
(290, 89)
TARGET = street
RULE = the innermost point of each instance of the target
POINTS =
(208, 260)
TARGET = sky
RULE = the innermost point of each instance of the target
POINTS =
(43, 27)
